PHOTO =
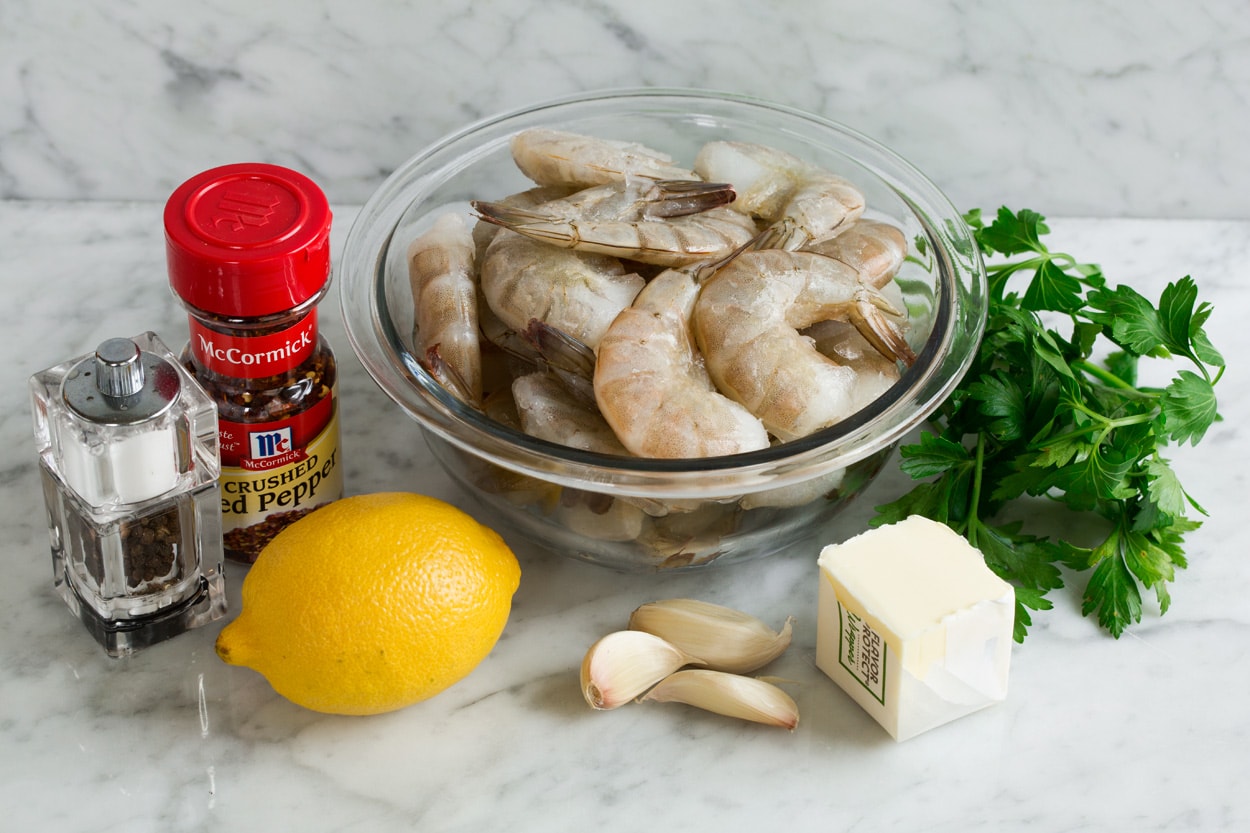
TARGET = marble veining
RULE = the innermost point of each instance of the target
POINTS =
(1146, 733)
(1073, 107)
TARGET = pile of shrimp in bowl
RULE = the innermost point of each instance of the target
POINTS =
(660, 353)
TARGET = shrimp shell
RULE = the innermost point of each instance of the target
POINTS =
(746, 322)
(444, 291)
(675, 241)
(804, 203)
(652, 387)
(577, 292)
(874, 249)
(846, 345)
(550, 411)
(484, 232)
(559, 157)
(599, 516)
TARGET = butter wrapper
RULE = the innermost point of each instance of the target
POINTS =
(913, 626)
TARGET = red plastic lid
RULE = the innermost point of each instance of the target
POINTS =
(247, 240)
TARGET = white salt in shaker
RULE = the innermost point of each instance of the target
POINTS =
(128, 452)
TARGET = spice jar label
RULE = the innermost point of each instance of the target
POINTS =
(254, 356)
(261, 494)
(261, 446)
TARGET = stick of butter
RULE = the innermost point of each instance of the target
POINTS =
(913, 625)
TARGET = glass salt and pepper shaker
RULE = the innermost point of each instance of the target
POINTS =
(128, 452)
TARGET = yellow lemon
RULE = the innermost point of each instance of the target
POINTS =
(372, 603)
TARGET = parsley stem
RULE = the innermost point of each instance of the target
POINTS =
(1102, 374)
(973, 522)
(1013, 265)
(1108, 422)
(1063, 261)
(1136, 419)
(1105, 427)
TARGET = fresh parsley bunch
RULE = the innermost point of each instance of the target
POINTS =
(1038, 415)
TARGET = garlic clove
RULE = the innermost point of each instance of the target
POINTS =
(724, 638)
(624, 664)
(732, 695)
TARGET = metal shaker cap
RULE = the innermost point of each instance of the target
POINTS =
(118, 369)
(121, 385)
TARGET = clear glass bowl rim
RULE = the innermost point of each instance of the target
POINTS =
(958, 325)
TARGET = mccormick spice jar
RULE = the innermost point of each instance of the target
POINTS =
(249, 257)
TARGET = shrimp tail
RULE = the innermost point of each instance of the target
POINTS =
(434, 363)
(703, 271)
(784, 234)
(559, 349)
(791, 235)
(680, 197)
(533, 224)
(868, 316)
(659, 200)
(567, 357)
(513, 344)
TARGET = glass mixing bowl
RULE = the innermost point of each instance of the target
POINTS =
(656, 514)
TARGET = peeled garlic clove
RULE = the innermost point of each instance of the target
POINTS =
(732, 695)
(724, 638)
(624, 664)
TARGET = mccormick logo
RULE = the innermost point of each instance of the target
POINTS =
(266, 444)
(245, 358)
(255, 357)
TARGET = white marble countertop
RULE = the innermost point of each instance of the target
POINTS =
(1074, 108)
(1146, 733)
(1078, 107)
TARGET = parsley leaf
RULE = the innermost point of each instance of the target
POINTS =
(998, 396)
(1112, 593)
(1053, 288)
(933, 455)
(1164, 487)
(1188, 407)
(1013, 234)
(1130, 320)
(1038, 418)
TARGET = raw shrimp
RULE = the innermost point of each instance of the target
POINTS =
(484, 232)
(560, 350)
(558, 157)
(577, 292)
(635, 200)
(550, 411)
(803, 203)
(680, 539)
(542, 347)
(500, 406)
(444, 292)
(447, 375)
(874, 249)
(840, 341)
(598, 516)
(557, 404)
(623, 220)
(652, 387)
(746, 323)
